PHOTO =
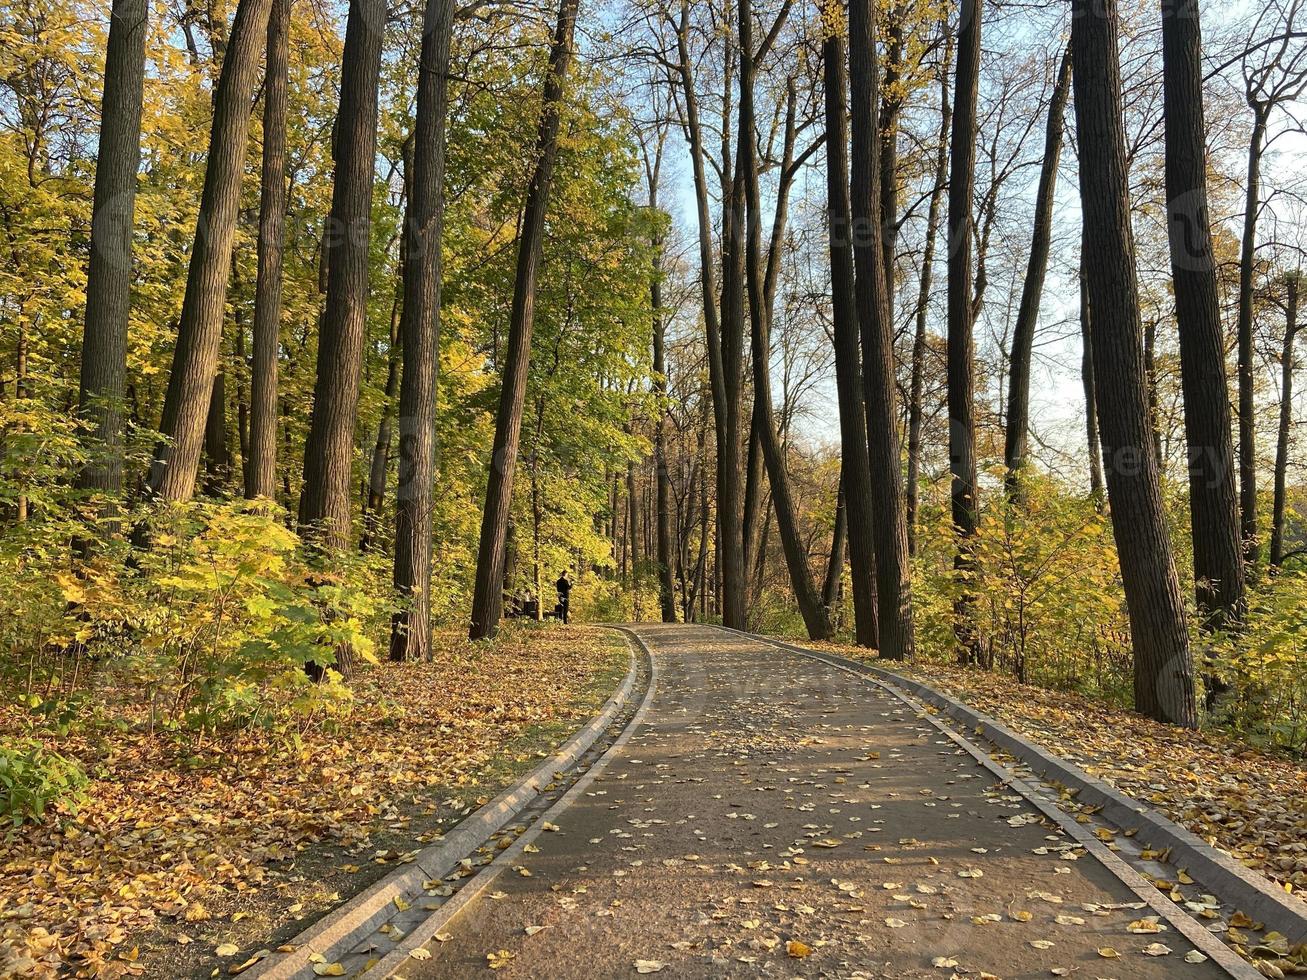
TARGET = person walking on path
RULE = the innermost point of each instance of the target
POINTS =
(564, 586)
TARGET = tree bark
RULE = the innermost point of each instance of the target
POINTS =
(325, 509)
(1286, 418)
(879, 377)
(1244, 335)
(891, 106)
(1023, 338)
(488, 599)
(848, 351)
(722, 364)
(961, 317)
(109, 275)
(410, 637)
(916, 411)
(796, 557)
(261, 470)
(1092, 439)
(1164, 679)
(199, 331)
(380, 465)
(1218, 558)
(666, 586)
(830, 591)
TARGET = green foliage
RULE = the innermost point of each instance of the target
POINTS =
(1050, 608)
(32, 779)
(218, 620)
(1265, 665)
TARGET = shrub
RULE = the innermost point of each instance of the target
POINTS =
(32, 779)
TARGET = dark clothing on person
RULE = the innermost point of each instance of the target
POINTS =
(564, 587)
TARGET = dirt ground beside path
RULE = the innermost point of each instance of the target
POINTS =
(777, 816)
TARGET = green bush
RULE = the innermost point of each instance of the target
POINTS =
(32, 779)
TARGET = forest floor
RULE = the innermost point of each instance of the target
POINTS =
(773, 815)
(180, 849)
(1236, 797)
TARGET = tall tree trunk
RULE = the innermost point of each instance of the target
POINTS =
(109, 275)
(1244, 334)
(487, 602)
(410, 637)
(891, 106)
(261, 471)
(328, 453)
(796, 557)
(380, 465)
(666, 586)
(961, 317)
(830, 591)
(848, 351)
(879, 377)
(217, 451)
(1023, 338)
(1286, 417)
(1092, 439)
(1164, 679)
(1218, 558)
(723, 349)
(916, 410)
(199, 331)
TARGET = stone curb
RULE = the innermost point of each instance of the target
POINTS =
(397, 958)
(348, 924)
(1246, 890)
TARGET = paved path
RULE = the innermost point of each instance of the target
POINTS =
(771, 804)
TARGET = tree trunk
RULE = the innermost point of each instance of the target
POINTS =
(848, 351)
(217, 451)
(261, 471)
(109, 275)
(1286, 417)
(796, 557)
(1218, 558)
(488, 599)
(1164, 680)
(199, 331)
(328, 453)
(891, 105)
(1023, 339)
(961, 317)
(917, 382)
(376, 496)
(830, 591)
(1092, 439)
(724, 338)
(410, 637)
(666, 586)
(879, 377)
(1244, 333)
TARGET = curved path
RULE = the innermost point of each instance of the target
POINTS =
(771, 805)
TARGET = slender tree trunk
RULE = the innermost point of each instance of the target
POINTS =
(666, 586)
(796, 557)
(961, 317)
(1286, 418)
(848, 352)
(723, 350)
(328, 454)
(1244, 334)
(217, 451)
(1164, 678)
(879, 376)
(891, 105)
(487, 602)
(1023, 339)
(410, 637)
(916, 410)
(199, 331)
(1092, 439)
(380, 465)
(830, 591)
(261, 471)
(1218, 557)
(109, 275)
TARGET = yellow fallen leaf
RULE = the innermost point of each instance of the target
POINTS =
(329, 969)
(798, 949)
